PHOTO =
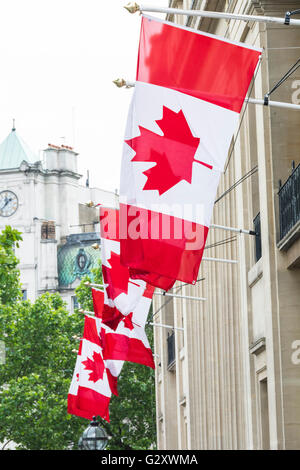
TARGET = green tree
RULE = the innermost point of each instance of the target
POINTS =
(39, 362)
(10, 290)
(36, 376)
(40, 339)
(132, 414)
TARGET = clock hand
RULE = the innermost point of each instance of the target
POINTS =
(7, 201)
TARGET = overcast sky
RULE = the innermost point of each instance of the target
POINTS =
(58, 60)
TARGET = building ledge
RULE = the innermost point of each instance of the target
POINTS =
(293, 256)
(285, 243)
(182, 401)
(27, 266)
(258, 346)
(38, 169)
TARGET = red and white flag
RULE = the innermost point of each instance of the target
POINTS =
(121, 294)
(73, 390)
(126, 303)
(189, 91)
(94, 379)
(128, 342)
(98, 301)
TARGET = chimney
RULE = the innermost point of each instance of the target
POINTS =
(60, 157)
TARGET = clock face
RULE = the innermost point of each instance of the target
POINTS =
(8, 203)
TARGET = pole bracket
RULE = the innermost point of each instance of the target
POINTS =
(132, 7)
(287, 19)
(266, 100)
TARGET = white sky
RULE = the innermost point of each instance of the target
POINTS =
(57, 61)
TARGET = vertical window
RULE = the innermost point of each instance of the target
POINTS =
(48, 230)
(256, 223)
(264, 414)
(75, 303)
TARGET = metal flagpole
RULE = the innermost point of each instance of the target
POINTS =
(121, 82)
(165, 294)
(90, 284)
(287, 20)
(275, 104)
(220, 260)
(89, 313)
(232, 229)
(166, 326)
(86, 312)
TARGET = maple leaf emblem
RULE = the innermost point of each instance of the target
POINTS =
(111, 317)
(96, 365)
(127, 320)
(173, 153)
(116, 277)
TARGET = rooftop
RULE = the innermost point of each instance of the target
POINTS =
(13, 150)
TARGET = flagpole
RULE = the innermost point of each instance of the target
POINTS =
(121, 82)
(90, 284)
(165, 294)
(220, 260)
(166, 326)
(233, 229)
(86, 312)
(275, 104)
(287, 20)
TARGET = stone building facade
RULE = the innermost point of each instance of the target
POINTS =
(231, 378)
(46, 201)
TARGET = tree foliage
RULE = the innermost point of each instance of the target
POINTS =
(36, 376)
(10, 290)
(39, 364)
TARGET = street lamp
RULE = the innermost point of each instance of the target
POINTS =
(93, 437)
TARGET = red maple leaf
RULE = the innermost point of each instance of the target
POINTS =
(173, 153)
(96, 365)
(111, 317)
(116, 277)
(127, 320)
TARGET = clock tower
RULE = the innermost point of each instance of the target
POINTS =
(46, 201)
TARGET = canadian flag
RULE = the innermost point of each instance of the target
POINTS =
(98, 301)
(94, 379)
(190, 88)
(121, 294)
(128, 342)
(126, 302)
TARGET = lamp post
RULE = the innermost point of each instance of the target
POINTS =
(93, 437)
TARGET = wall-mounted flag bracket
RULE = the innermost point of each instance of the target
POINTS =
(162, 325)
(133, 7)
(188, 297)
(90, 284)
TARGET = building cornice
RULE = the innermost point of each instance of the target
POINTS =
(280, 7)
(258, 346)
(37, 169)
